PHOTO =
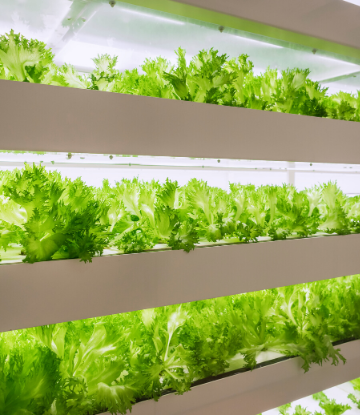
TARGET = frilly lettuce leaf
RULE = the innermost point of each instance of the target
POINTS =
(109, 363)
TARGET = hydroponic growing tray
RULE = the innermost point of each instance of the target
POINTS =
(73, 120)
(56, 291)
(255, 391)
(186, 342)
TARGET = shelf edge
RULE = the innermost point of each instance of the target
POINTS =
(258, 390)
(61, 119)
(229, 15)
(57, 291)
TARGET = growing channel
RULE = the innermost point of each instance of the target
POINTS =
(108, 363)
(44, 216)
(209, 77)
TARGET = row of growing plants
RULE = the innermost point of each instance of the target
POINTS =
(109, 363)
(209, 77)
(53, 217)
(328, 406)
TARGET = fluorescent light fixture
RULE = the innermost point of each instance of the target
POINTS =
(328, 59)
(337, 60)
(119, 161)
(260, 42)
(356, 2)
(152, 16)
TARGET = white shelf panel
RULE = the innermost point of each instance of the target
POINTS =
(313, 18)
(57, 291)
(253, 392)
(50, 118)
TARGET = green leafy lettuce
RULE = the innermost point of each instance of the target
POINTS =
(51, 217)
(109, 363)
(209, 77)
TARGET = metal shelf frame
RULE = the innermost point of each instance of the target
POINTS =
(48, 118)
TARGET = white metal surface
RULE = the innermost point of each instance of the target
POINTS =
(65, 119)
(316, 18)
(251, 393)
(57, 291)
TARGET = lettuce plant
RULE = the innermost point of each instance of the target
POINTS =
(209, 77)
(329, 406)
(109, 363)
(52, 217)
(355, 399)
(24, 60)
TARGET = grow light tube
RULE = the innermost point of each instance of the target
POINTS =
(356, 2)
(94, 168)
(85, 160)
(271, 45)
(152, 16)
